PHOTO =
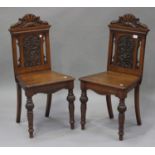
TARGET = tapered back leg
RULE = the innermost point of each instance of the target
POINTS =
(19, 103)
(48, 105)
(109, 106)
(137, 106)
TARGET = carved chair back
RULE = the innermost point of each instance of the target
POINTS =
(30, 45)
(127, 45)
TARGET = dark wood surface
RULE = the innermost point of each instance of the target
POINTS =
(32, 67)
(124, 68)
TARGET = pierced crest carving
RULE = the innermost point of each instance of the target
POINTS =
(130, 20)
(29, 20)
(31, 48)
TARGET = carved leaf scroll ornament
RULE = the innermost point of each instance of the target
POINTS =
(29, 20)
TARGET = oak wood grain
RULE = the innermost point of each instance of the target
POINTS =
(40, 78)
(112, 79)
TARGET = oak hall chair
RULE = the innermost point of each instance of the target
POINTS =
(124, 68)
(32, 67)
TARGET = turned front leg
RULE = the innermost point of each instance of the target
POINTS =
(121, 117)
(83, 100)
(29, 107)
(71, 99)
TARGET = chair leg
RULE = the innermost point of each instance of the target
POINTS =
(19, 103)
(121, 117)
(137, 107)
(83, 100)
(110, 111)
(29, 107)
(48, 105)
(71, 99)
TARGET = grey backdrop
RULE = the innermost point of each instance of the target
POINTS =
(79, 43)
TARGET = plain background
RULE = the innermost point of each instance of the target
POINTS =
(79, 43)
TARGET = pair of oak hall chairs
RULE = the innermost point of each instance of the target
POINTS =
(33, 72)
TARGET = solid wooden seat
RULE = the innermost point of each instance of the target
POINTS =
(42, 78)
(124, 68)
(112, 79)
(32, 67)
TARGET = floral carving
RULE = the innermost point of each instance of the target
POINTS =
(125, 51)
(31, 47)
